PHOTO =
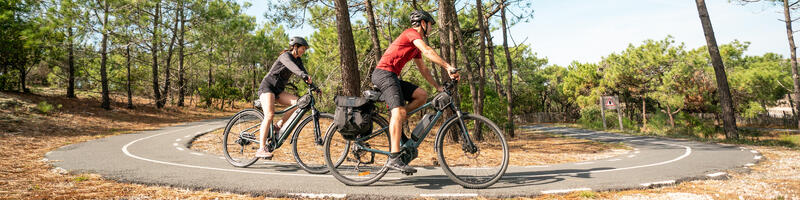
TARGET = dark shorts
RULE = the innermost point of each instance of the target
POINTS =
(395, 92)
(266, 87)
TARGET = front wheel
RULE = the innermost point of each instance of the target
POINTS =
(308, 147)
(240, 139)
(479, 164)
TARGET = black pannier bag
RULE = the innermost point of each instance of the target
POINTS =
(353, 116)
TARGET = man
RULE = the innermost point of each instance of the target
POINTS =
(409, 45)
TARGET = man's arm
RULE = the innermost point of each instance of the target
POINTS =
(426, 73)
(429, 53)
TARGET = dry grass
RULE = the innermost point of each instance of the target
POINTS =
(25, 136)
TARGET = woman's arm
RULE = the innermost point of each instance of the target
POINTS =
(286, 59)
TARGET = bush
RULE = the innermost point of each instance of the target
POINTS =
(689, 125)
(590, 118)
(44, 107)
(794, 140)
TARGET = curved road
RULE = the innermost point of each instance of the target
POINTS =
(161, 157)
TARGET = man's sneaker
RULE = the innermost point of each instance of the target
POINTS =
(398, 164)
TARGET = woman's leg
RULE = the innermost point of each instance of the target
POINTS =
(287, 99)
(267, 101)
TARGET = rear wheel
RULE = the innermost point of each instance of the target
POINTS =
(240, 139)
(472, 166)
(359, 167)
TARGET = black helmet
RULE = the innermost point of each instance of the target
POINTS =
(420, 15)
(298, 41)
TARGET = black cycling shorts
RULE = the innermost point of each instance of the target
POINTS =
(394, 92)
(266, 87)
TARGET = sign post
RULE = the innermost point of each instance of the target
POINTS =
(610, 103)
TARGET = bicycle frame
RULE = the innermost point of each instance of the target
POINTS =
(411, 143)
(293, 120)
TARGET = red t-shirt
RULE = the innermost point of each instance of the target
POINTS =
(400, 52)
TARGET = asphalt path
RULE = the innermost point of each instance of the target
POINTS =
(161, 157)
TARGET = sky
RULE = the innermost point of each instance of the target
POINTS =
(564, 31)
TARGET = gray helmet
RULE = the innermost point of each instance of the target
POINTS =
(420, 15)
(298, 41)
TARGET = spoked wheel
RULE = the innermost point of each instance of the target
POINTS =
(359, 167)
(476, 165)
(240, 139)
(308, 149)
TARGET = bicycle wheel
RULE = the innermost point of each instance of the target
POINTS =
(359, 166)
(240, 139)
(478, 167)
(308, 152)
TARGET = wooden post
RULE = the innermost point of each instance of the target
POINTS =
(602, 112)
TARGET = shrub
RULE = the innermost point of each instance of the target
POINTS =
(794, 140)
(590, 118)
(44, 107)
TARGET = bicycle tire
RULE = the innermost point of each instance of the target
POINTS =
(336, 170)
(313, 165)
(467, 180)
(252, 115)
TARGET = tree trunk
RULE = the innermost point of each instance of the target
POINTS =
(103, 59)
(71, 64)
(169, 58)
(154, 51)
(23, 75)
(181, 86)
(347, 52)
(492, 63)
(793, 50)
(373, 34)
(128, 84)
(644, 114)
(671, 119)
(482, 66)
(210, 75)
(723, 90)
(509, 93)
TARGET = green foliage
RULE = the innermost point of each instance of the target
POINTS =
(591, 118)
(80, 179)
(44, 108)
(752, 110)
(587, 194)
(794, 140)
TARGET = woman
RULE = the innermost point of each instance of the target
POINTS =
(273, 84)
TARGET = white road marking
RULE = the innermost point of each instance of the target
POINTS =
(716, 174)
(636, 152)
(450, 195)
(565, 191)
(128, 153)
(177, 140)
(753, 151)
(757, 157)
(615, 159)
(222, 158)
(687, 152)
(179, 149)
(175, 144)
(669, 182)
(584, 163)
(187, 136)
(537, 166)
(196, 154)
(749, 164)
(314, 195)
(631, 156)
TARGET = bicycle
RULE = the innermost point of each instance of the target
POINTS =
(360, 167)
(240, 139)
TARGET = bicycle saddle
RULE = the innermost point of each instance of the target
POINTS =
(373, 94)
(257, 104)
